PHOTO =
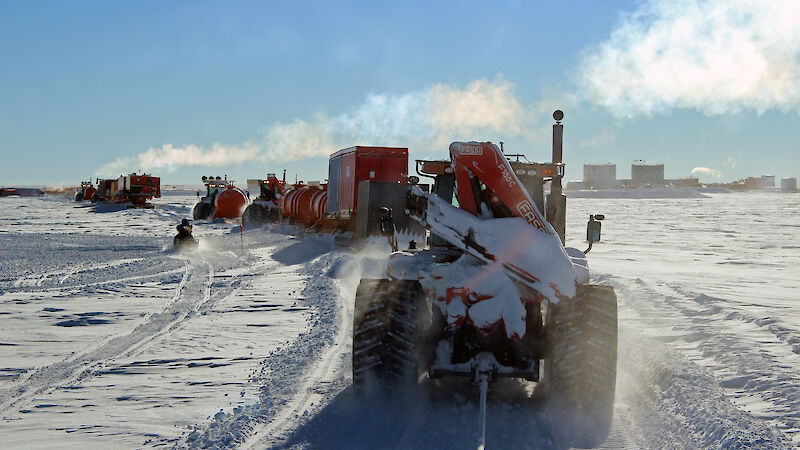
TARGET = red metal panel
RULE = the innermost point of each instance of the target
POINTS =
(393, 167)
(368, 167)
(366, 163)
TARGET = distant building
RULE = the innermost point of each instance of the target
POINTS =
(644, 174)
(599, 176)
(788, 184)
(768, 181)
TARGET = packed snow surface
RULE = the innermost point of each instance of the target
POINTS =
(110, 339)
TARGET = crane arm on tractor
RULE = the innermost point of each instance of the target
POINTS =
(497, 222)
(485, 177)
(276, 185)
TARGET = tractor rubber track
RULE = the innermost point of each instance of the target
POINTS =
(385, 334)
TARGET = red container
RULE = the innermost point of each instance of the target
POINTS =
(353, 165)
(89, 192)
(230, 203)
(306, 205)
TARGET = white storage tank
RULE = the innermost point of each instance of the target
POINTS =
(643, 173)
(599, 176)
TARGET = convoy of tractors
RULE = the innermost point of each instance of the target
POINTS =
(487, 290)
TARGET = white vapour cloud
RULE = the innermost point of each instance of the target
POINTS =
(604, 137)
(170, 157)
(730, 162)
(714, 56)
(706, 172)
(425, 119)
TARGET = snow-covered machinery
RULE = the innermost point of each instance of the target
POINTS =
(86, 191)
(133, 188)
(494, 293)
(265, 207)
(357, 176)
(222, 200)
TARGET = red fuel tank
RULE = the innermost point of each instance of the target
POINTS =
(230, 203)
(306, 205)
(89, 192)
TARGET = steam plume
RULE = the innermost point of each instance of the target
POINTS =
(706, 171)
(424, 119)
(715, 56)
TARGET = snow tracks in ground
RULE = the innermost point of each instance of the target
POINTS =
(115, 350)
(301, 375)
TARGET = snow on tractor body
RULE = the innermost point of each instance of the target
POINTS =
(222, 200)
(494, 293)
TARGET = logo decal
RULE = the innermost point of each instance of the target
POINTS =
(471, 150)
(527, 212)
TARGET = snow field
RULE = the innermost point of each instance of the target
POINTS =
(117, 342)
(226, 349)
(709, 286)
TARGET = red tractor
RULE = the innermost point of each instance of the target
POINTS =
(222, 200)
(133, 188)
(494, 293)
(86, 192)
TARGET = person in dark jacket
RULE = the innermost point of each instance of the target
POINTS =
(184, 229)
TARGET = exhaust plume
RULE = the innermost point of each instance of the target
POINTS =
(424, 119)
(715, 56)
(706, 172)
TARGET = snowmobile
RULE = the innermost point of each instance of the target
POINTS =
(494, 293)
(184, 241)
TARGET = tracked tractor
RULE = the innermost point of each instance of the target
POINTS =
(265, 208)
(223, 200)
(494, 293)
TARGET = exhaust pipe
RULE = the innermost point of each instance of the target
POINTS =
(556, 207)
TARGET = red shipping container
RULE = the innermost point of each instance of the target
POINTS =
(350, 166)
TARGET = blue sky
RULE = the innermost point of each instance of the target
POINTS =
(242, 88)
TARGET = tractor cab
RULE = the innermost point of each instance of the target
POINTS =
(215, 185)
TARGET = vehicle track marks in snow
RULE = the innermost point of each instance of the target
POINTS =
(193, 291)
(308, 396)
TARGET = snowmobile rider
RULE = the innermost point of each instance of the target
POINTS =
(184, 230)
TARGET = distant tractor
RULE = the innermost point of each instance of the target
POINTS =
(134, 189)
(86, 191)
(265, 207)
(222, 200)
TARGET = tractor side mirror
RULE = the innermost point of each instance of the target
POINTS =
(593, 230)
